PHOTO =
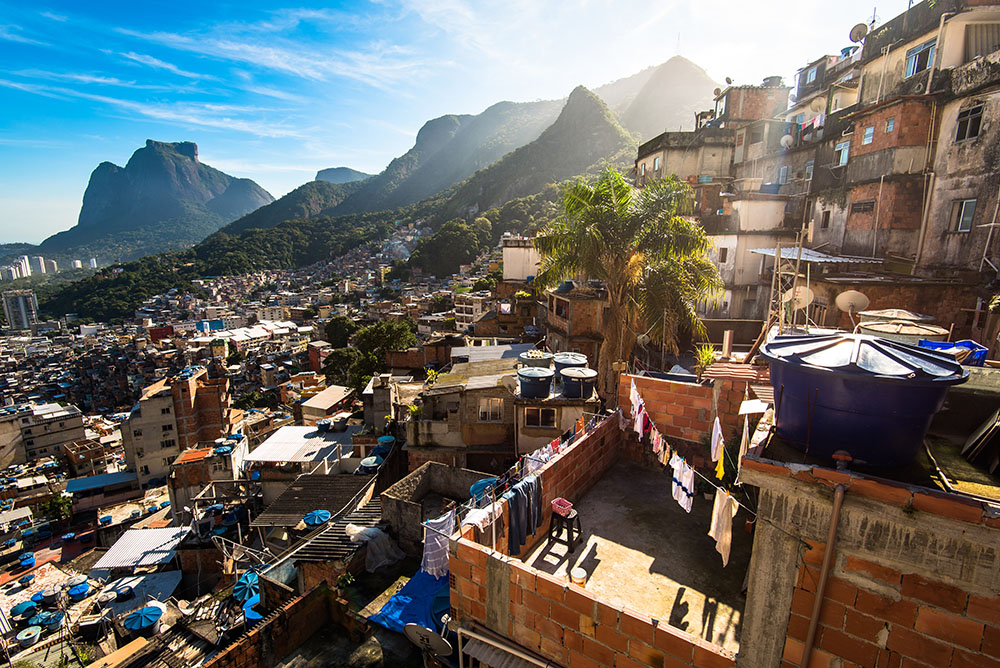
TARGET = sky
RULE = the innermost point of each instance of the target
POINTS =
(276, 93)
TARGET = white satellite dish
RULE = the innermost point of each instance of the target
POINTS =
(510, 383)
(642, 339)
(427, 640)
(851, 301)
(818, 104)
(799, 297)
(717, 92)
(787, 141)
(859, 32)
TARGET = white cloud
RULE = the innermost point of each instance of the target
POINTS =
(12, 33)
(156, 63)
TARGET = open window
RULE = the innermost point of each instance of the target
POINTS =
(539, 417)
(920, 58)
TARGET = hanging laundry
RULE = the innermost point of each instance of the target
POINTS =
(524, 502)
(634, 398)
(640, 419)
(657, 443)
(723, 512)
(666, 453)
(581, 424)
(436, 533)
(720, 466)
(744, 441)
(683, 483)
(718, 443)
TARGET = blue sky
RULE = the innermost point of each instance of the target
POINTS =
(274, 94)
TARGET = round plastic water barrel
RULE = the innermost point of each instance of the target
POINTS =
(904, 331)
(314, 518)
(535, 382)
(323, 425)
(29, 636)
(893, 314)
(871, 397)
(539, 358)
(144, 620)
(386, 440)
(569, 361)
(578, 382)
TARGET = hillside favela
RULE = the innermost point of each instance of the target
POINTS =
(672, 338)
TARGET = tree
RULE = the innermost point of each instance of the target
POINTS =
(653, 262)
(309, 313)
(339, 330)
(338, 364)
(400, 271)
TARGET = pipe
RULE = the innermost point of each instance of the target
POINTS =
(878, 210)
(937, 52)
(881, 78)
(824, 573)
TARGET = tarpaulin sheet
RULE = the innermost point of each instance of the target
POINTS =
(414, 603)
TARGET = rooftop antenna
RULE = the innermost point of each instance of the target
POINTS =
(851, 302)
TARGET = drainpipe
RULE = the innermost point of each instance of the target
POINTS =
(937, 51)
(878, 210)
(831, 537)
(881, 78)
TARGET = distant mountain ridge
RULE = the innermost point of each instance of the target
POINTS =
(310, 200)
(668, 100)
(163, 198)
(341, 175)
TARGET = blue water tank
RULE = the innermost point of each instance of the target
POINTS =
(578, 383)
(871, 397)
(535, 382)
(568, 361)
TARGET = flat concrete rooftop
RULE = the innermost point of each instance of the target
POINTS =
(642, 551)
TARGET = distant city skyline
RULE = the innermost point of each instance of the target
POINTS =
(276, 94)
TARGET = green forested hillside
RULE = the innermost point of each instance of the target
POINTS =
(311, 200)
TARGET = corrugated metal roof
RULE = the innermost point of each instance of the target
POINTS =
(102, 480)
(737, 371)
(809, 255)
(493, 656)
(313, 491)
(484, 353)
(142, 547)
(333, 543)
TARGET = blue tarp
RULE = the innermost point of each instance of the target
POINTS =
(102, 480)
(413, 603)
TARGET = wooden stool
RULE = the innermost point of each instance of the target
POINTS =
(570, 522)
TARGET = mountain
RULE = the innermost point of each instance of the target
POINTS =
(583, 136)
(450, 149)
(619, 93)
(669, 99)
(312, 200)
(163, 198)
(341, 175)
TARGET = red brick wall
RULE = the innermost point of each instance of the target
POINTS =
(942, 301)
(898, 207)
(565, 623)
(911, 127)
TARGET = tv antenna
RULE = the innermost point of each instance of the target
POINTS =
(851, 302)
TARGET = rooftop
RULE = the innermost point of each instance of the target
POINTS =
(142, 547)
(304, 444)
(102, 480)
(332, 395)
(333, 493)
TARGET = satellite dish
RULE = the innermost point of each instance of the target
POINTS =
(716, 92)
(729, 80)
(851, 301)
(427, 640)
(858, 32)
(510, 383)
(799, 297)
(818, 104)
(787, 141)
(642, 339)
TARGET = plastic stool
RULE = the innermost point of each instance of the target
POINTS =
(571, 523)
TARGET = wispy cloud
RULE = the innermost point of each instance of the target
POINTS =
(87, 78)
(13, 33)
(204, 115)
(156, 63)
(52, 16)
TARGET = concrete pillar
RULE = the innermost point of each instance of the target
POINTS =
(773, 572)
(498, 596)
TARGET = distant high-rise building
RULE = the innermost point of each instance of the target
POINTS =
(93, 263)
(51, 267)
(77, 264)
(24, 267)
(37, 264)
(20, 308)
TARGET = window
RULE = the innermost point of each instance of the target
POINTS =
(919, 58)
(539, 417)
(723, 254)
(962, 212)
(809, 170)
(969, 122)
(811, 75)
(62, 424)
(140, 453)
(166, 461)
(137, 433)
(31, 442)
(890, 125)
(144, 470)
(168, 427)
(825, 221)
(756, 135)
(869, 135)
(169, 443)
(165, 411)
(642, 169)
(656, 164)
(840, 152)
(863, 207)
(27, 431)
(490, 409)
(783, 174)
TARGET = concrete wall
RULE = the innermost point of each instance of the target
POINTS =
(915, 578)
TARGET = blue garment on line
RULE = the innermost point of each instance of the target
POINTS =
(524, 501)
(413, 603)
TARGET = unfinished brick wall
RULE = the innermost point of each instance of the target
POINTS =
(567, 624)
(914, 581)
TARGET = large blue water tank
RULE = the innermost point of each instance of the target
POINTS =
(578, 382)
(568, 361)
(535, 382)
(871, 397)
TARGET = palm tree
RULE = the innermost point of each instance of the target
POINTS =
(652, 261)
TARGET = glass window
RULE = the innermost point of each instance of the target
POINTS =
(540, 417)
(642, 169)
(756, 135)
(890, 125)
(840, 152)
(783, 174)
(869, 135)
(919, 58)
(723, 255)
(490, 409)
(963, 211)
(969, 122)
(656, 164)
(809, 170)
(863, 207)
(811, 75)
(825, 222)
